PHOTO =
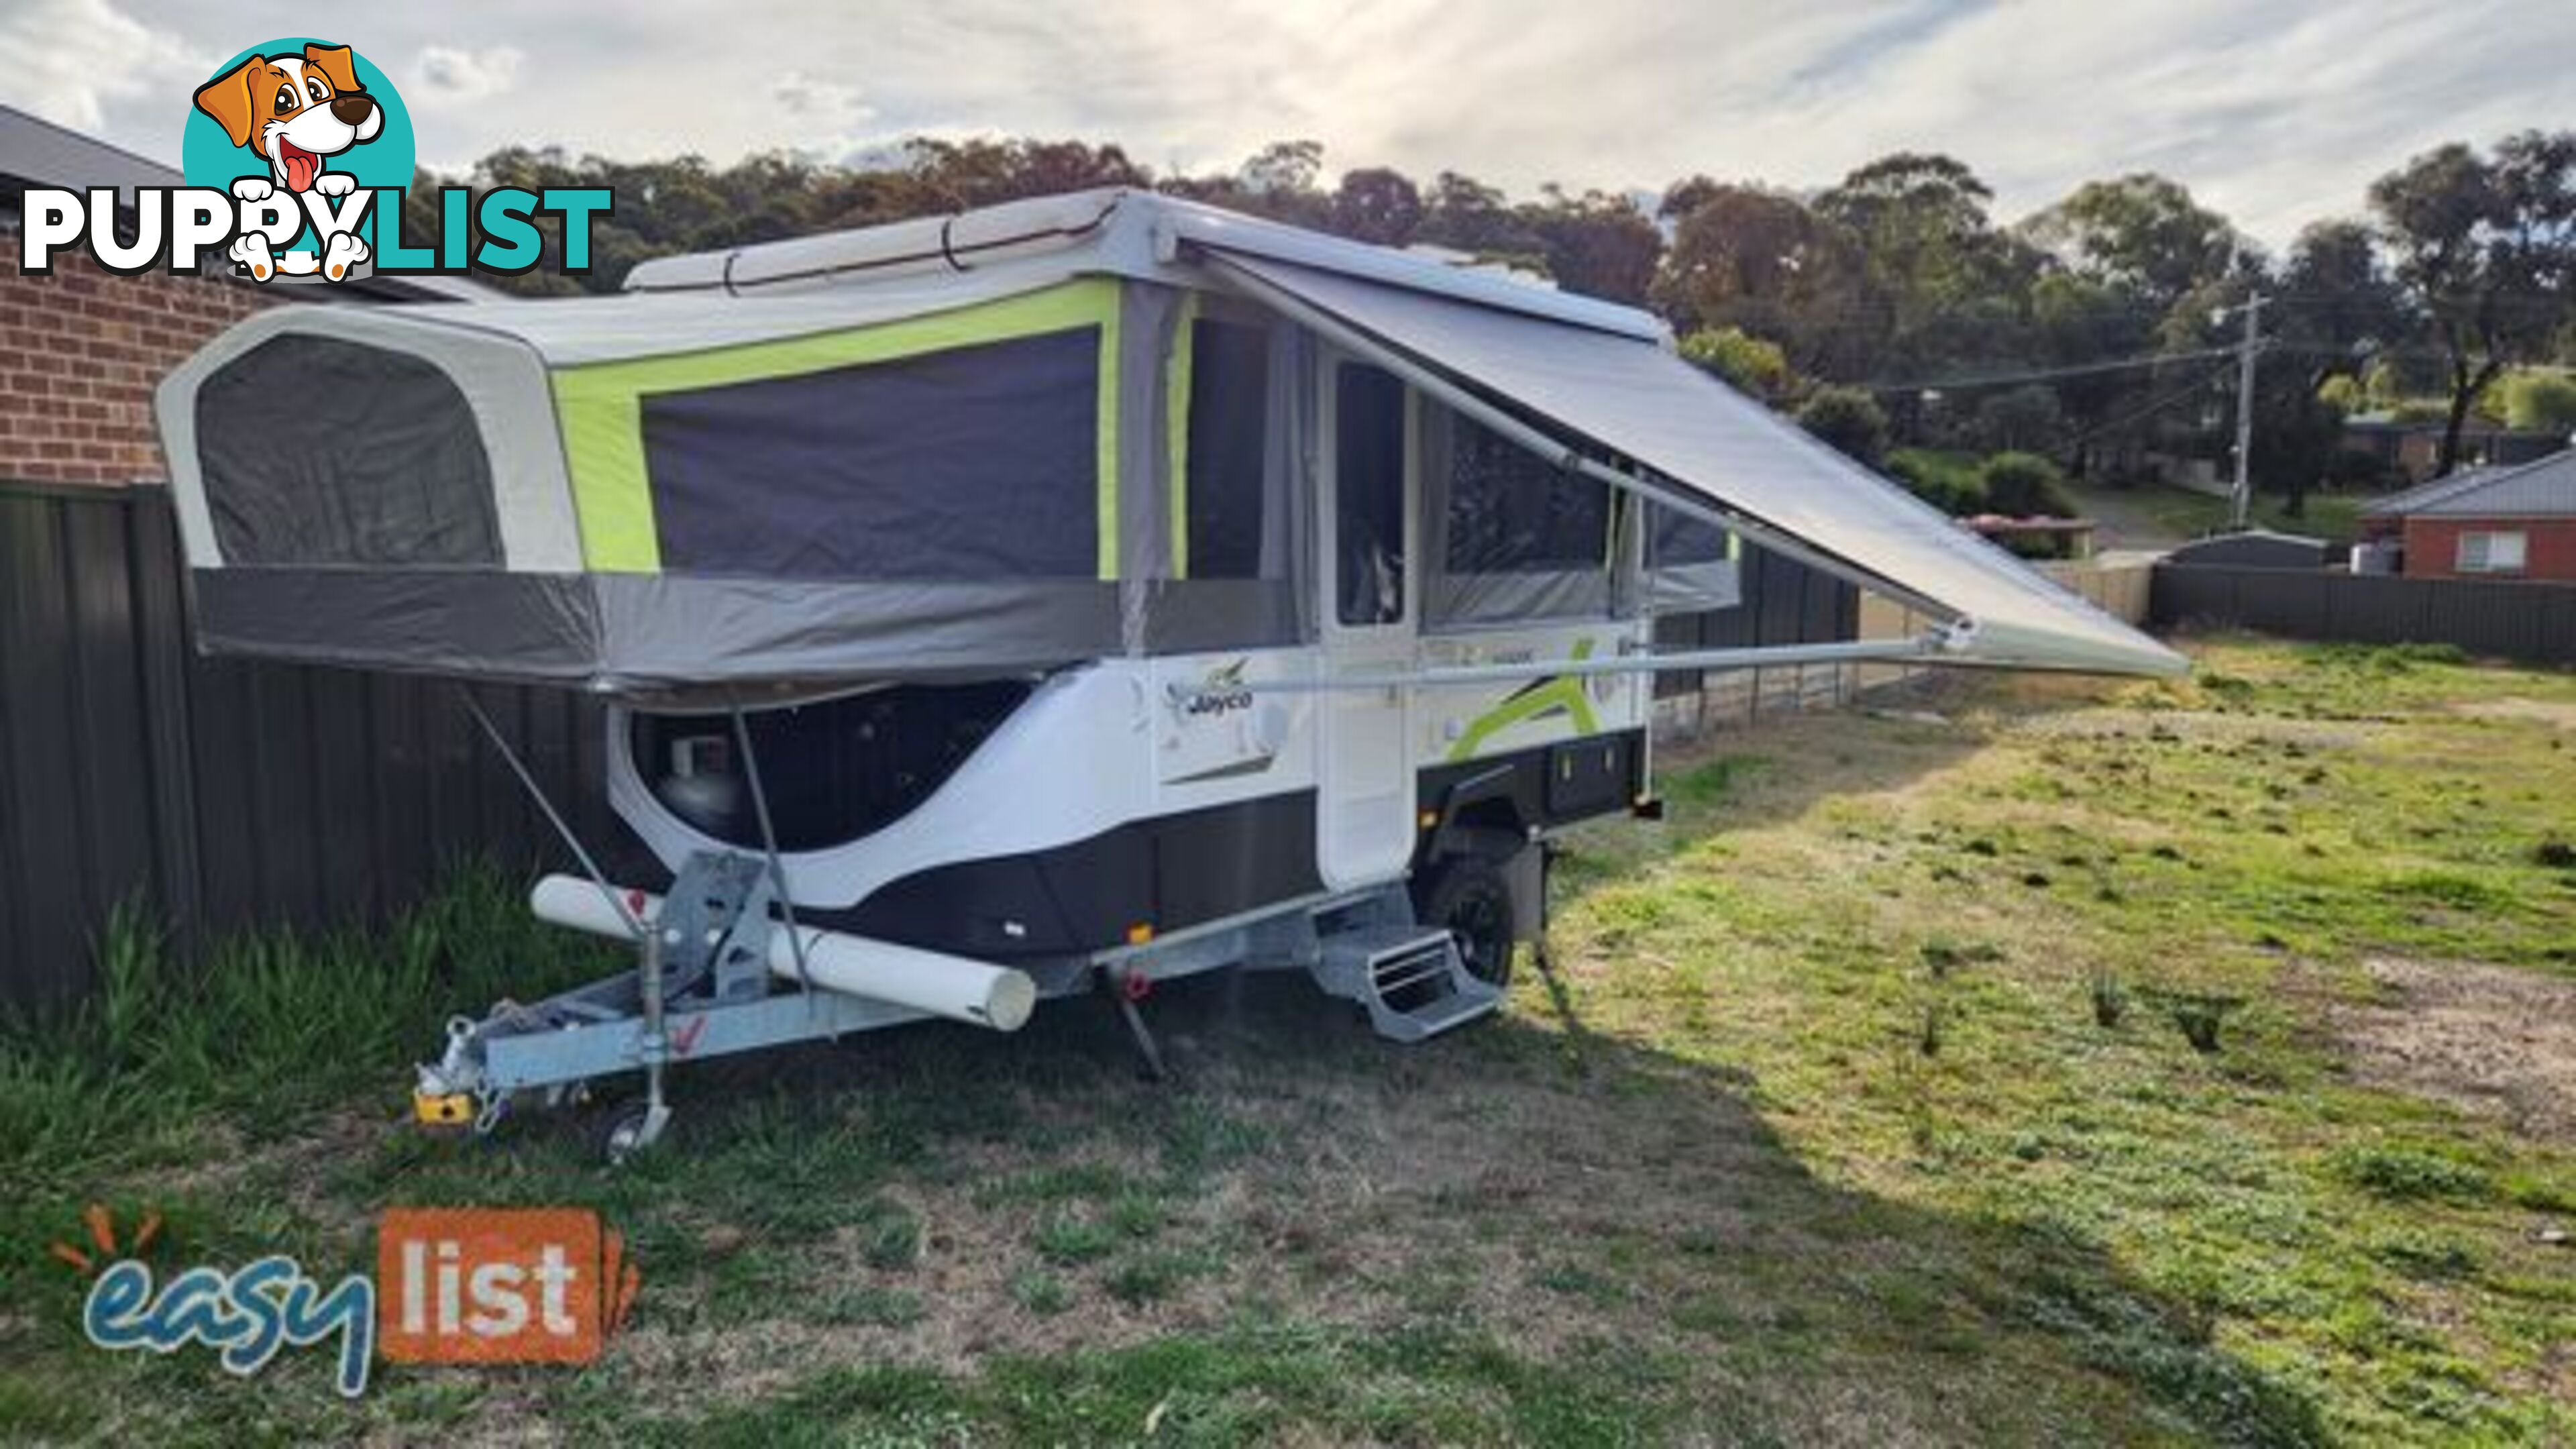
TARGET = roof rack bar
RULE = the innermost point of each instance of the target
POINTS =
(1566, 456)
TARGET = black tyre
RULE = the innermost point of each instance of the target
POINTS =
(1473, 899)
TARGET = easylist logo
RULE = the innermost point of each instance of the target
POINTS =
(485, 1285)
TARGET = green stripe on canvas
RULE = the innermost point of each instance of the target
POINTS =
(600, 405)
(603, 442)
(1176, 418)
(1105, 466)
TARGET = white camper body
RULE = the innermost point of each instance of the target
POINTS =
(1093, 588)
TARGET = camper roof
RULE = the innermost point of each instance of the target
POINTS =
(1115, 230)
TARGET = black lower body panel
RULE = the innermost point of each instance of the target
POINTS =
(1541, 787)
(1172, 872)
(1165, 873)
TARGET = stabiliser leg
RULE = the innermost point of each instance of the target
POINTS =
(1126, 990)
(635, 1131)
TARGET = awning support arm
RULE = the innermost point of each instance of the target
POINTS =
(546, 807)
(1537, 441)
(768, 833)
(1930, 643)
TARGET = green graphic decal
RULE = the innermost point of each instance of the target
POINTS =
(1539, 699)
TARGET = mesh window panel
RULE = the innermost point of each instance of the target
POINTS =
(967, 464)
(1229, 409)
(1512, 511)
(1368, 495)
(320, 451)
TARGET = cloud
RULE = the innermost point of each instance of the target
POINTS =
(2277, 114)
(827, 116)
(443, 75)
(69, 60)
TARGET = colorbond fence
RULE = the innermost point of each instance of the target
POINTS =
(2534, 623)
(222, 794)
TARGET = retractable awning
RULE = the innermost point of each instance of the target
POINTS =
(1702, 446)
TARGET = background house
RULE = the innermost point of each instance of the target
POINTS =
(2413, 447)
(82, 348)
(2510, 523)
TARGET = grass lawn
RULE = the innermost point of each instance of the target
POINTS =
(2334, 517)
(2149, 1063)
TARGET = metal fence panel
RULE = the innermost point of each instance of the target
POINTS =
(2534, 623)
(224, 794)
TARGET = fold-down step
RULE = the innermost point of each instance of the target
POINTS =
(1411, 979)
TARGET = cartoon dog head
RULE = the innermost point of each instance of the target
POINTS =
(294, 110)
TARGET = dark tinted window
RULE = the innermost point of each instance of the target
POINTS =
(973, 463)
(1228, 448)
(320, 451)
(1512, 511)
(1680, 538)
(1368, 498)
(836, 770)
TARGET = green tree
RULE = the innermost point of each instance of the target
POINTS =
(2143, 235)
(1376, 204)
(2028, 418)
(2022, 485)
(2335, 308)
(2485, 249)
(1849, 419)
(1749, 257)
(1754, 365)
(1596, 244)
(2541, 401)
(2343, 393)
(1946, 289)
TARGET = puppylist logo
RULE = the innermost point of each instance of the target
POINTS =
(297, 154)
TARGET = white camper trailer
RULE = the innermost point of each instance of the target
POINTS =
(1077, 592)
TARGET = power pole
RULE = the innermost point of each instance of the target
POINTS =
(2243, 495)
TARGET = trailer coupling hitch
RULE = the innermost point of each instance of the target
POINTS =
(452, 1093)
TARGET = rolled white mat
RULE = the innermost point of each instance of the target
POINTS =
(975, 992)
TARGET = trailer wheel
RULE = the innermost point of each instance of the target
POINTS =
(1472, 898)
(624, 1137)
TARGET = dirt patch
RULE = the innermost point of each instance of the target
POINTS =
(2493, 1040)
(2561, 713)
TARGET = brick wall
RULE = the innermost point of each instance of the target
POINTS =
(2433, 546)
(81, 351)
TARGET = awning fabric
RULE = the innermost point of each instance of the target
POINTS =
(1633, 398)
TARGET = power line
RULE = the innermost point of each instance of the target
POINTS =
(2198, 387)
(1976, 381)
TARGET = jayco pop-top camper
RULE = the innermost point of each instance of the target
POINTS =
(1086, 590)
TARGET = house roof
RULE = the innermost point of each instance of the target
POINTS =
(2386, 420)
(2544, 488)
(36, 152)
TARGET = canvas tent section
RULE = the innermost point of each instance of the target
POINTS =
(632, 494)
(999, 442)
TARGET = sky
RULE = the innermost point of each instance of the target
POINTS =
(2276, 113)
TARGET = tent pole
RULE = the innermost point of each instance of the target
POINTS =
(768, 833)
(528, 782)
